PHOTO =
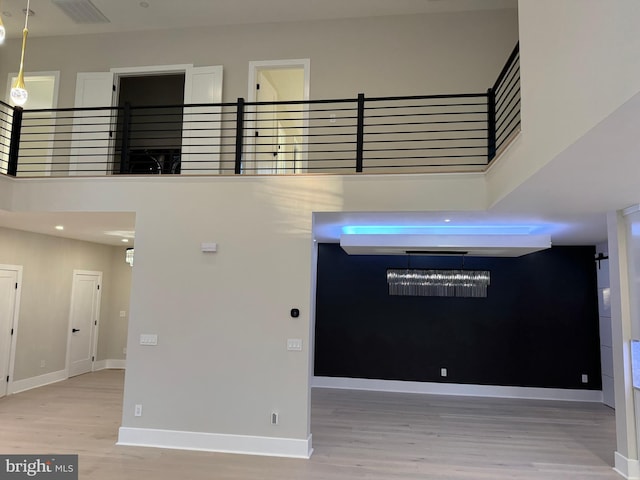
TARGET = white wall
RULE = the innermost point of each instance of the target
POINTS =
(222, 320)
(112, 339)
(578, 61)
(382, 56)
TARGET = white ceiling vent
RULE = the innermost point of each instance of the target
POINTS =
(81, 11)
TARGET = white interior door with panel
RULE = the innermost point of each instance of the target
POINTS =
(83, 321)
(202, 133)
(91, 133)
(10, 284)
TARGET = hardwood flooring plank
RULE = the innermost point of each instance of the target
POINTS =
(356, 435)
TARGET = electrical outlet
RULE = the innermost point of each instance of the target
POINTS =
(124, 350)
(585, 378)
(43, 363)
(274, 418)
(443, 372)
(123, 313)
(138, 410)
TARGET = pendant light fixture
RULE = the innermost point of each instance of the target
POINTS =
(418, 282)
(3, 32)
(128, 257)
(19, 92)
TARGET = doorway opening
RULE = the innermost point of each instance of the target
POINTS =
(149, 136)
(280, 130)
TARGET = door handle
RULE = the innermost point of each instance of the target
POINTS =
(74, 330)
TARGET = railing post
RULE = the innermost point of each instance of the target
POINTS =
(360, 134)
(126, 134)
(239, 135)
(14, 145)
(491, 124)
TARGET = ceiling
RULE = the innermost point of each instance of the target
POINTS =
(107, 228)
(130, 15)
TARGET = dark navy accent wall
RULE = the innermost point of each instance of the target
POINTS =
(537, 328)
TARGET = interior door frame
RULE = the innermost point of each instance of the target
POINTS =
(37, 76)
(189, 72)
(95, 326)
(14, 324)
(254, 67)
(120, 72)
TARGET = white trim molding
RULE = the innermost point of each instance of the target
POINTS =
(626, 467)
(215, 442)
(458, 389)
(110, 364)
(39, 381)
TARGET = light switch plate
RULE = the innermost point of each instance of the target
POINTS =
(294, 344)
(209, 247)
(148, 339)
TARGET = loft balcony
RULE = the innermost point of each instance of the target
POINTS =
(405, 134)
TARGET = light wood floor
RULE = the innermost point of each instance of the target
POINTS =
(356, 435)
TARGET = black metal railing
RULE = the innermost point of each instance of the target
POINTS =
(504, 101)
(459, 132)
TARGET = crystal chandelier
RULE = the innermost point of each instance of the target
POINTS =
(438, 283)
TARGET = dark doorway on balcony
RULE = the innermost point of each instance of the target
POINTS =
(149, 127)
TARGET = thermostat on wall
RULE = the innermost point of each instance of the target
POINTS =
(209, 247)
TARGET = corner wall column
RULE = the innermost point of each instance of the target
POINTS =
(626, 455)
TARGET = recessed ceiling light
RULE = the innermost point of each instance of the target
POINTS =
(59, 227)
(125, 240)
(447, 220)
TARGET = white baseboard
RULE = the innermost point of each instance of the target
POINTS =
(214, 442)
(626, 467)
(110, 364)
(35, 382)
(458, 389)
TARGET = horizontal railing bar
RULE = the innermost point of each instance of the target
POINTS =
(512, 58)
(433, 105)
(514, 121)
(513, 91)
(426, 97)
(512, 75)
(423, 157)
(516, 104)
(509, 82)
(430, 140)
(421, 149)
(428, 131)
(506, 137)
(444, 122)
(428, 115)
(429, 165)
(507, 120)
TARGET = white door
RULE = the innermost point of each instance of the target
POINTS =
(266, 132)
(83, 321)
(202, 134)
(9, 295)
(90, 138)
